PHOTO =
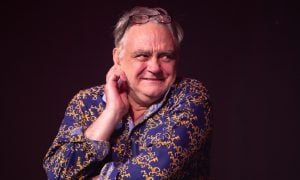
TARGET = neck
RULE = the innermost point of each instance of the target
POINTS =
(136, 115)
(137, 110)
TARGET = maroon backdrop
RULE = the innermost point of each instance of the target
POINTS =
(244, 51)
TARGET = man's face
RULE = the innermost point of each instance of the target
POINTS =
(148, 59)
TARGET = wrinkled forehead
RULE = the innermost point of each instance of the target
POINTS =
(149, 34)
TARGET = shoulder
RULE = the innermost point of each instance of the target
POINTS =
(87, 101)
(189, 87)
(92, 93)
(189, 102)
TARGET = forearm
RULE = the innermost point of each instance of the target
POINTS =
(76, 153)
(66, 160)
(103, 127)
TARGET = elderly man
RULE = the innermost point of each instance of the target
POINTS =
(144, 123)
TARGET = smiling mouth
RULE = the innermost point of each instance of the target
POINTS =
(153, 79)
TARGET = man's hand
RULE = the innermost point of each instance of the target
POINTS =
(116, 92)
(117, 106)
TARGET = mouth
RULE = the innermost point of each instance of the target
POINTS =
(153, 79)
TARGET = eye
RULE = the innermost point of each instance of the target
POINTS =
(167, 57)
(141, 57)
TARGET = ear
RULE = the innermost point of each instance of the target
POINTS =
(116, 56)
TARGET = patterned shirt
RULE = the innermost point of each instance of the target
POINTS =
(170, 141)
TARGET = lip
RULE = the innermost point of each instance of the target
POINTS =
(152, 79)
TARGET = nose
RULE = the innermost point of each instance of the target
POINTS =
(153, 65)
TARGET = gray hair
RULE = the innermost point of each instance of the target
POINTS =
(123, 24)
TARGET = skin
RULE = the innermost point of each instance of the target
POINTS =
(146, 63)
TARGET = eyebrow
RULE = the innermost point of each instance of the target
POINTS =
(140, 51)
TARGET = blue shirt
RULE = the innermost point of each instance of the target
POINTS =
(170, 141)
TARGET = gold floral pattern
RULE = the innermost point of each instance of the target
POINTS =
(171, 142)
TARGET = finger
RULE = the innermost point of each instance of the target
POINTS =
(115, 74)
(110, 73)
(123, 76)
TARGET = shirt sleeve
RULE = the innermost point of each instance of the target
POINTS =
(72, 155)
(176, 151)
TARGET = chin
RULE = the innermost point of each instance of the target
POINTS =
(155, 94)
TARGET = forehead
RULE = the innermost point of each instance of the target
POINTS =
(151, 33)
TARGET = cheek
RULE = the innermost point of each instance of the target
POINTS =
(169, 68)
(134, 69)
(139, 67)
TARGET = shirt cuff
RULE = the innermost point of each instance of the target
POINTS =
(101, 147)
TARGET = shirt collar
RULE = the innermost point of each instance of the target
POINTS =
(151, 110)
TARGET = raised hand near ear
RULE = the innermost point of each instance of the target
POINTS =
(117, 106)
(116, 92)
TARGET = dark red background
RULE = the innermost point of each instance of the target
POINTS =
(244, 51)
